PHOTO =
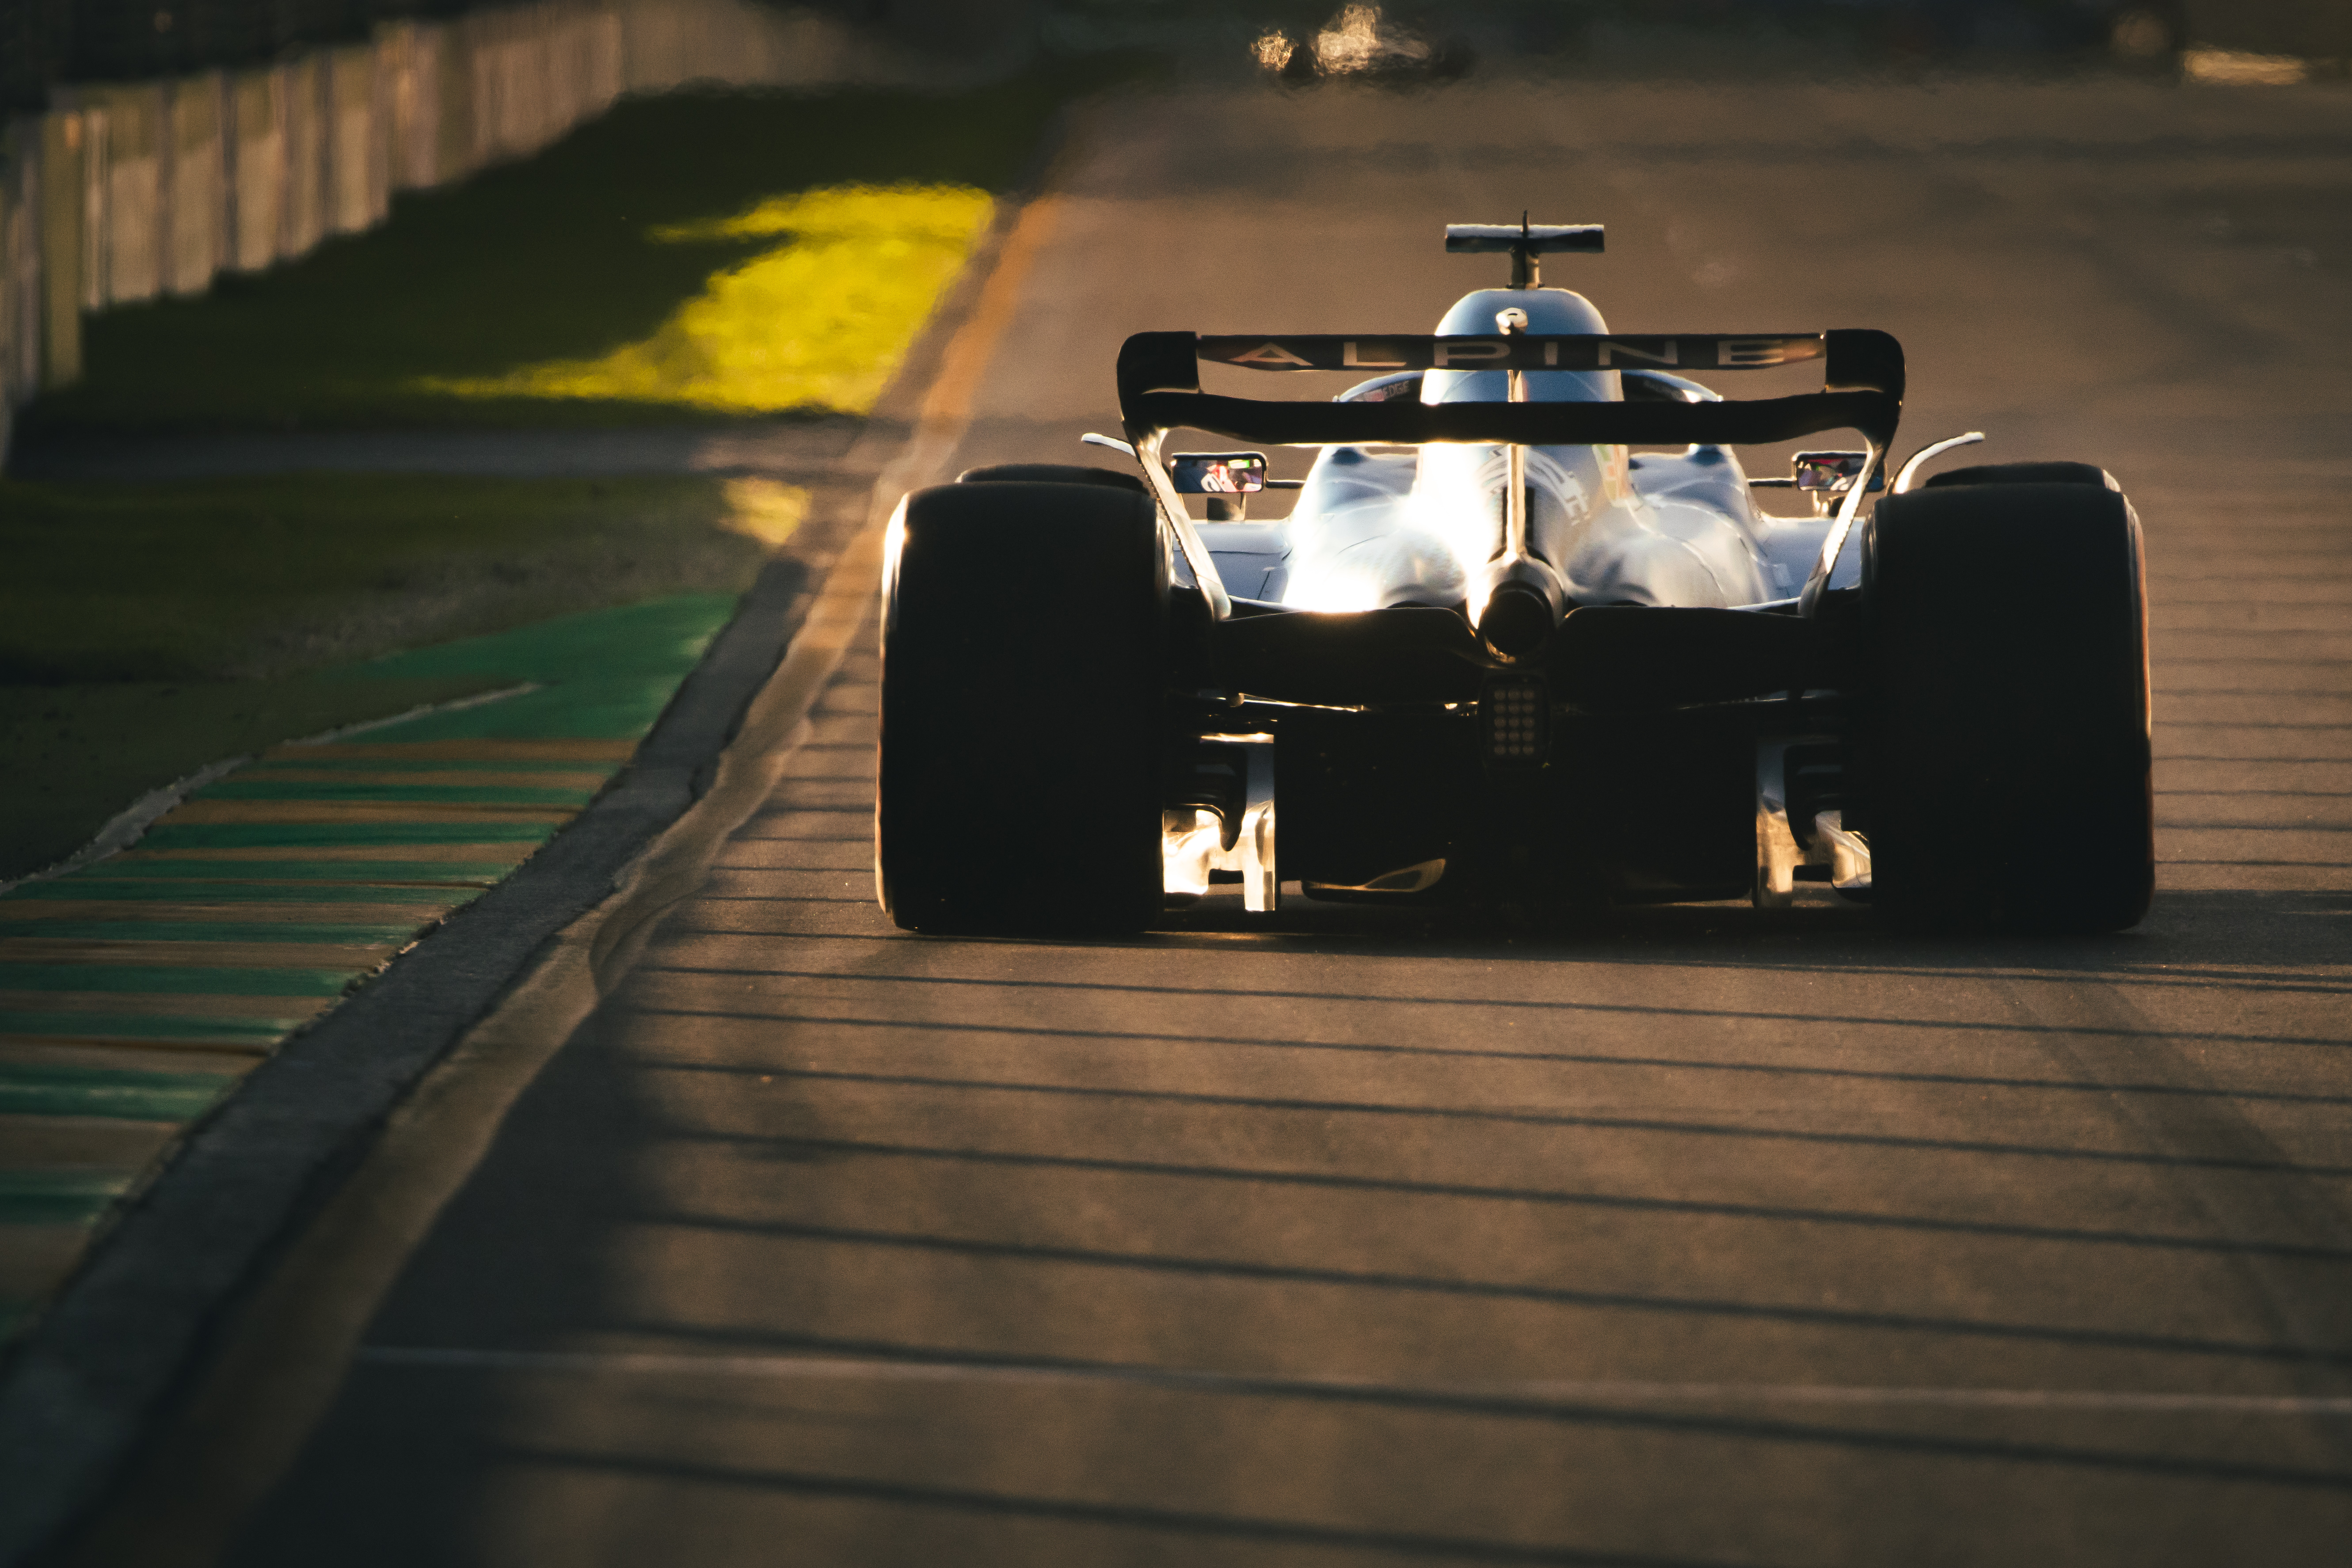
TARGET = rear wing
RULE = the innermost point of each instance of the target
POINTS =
(1160, 391)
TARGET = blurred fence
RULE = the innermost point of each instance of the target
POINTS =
(122, 192)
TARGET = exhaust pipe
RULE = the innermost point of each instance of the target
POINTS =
(1514, 604)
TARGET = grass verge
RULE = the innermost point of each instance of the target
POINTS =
(146, 630)
(684, 257)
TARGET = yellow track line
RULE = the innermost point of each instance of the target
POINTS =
(949, 401)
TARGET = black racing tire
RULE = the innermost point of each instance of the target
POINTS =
(2006, 759)
(1023, 675)
(2020, 473)
(1051, 474)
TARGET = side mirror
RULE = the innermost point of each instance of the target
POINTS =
(1822, 475)
(1218, 473)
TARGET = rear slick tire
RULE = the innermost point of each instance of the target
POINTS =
(1023, 657)
(2006, 746)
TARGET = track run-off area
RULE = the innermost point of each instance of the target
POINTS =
(1346, 1236)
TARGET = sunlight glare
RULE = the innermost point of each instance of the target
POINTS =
(819, 323)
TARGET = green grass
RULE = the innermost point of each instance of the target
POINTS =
(146, 630)
(819, 323)
(620, 278)
(251, 578)
(599, 244)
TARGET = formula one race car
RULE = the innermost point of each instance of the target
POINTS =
(1492, 654)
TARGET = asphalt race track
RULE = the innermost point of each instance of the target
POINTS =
(1346, 1236)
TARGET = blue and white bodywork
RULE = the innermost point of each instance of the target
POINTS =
(1376, 528)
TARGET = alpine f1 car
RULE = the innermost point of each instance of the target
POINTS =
(1525, 636)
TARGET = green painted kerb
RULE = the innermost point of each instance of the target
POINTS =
(365, 879)
(248, 1032)
(57, 1197)
(605, 676)
(292, 759)
(138, 891)
(30, 1090)
(206, 931)
(264, 788)
(333, 836)
(151, 978)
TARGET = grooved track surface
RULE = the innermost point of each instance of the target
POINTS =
(1703, 1238)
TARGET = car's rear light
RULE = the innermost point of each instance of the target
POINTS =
(1514, 721)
